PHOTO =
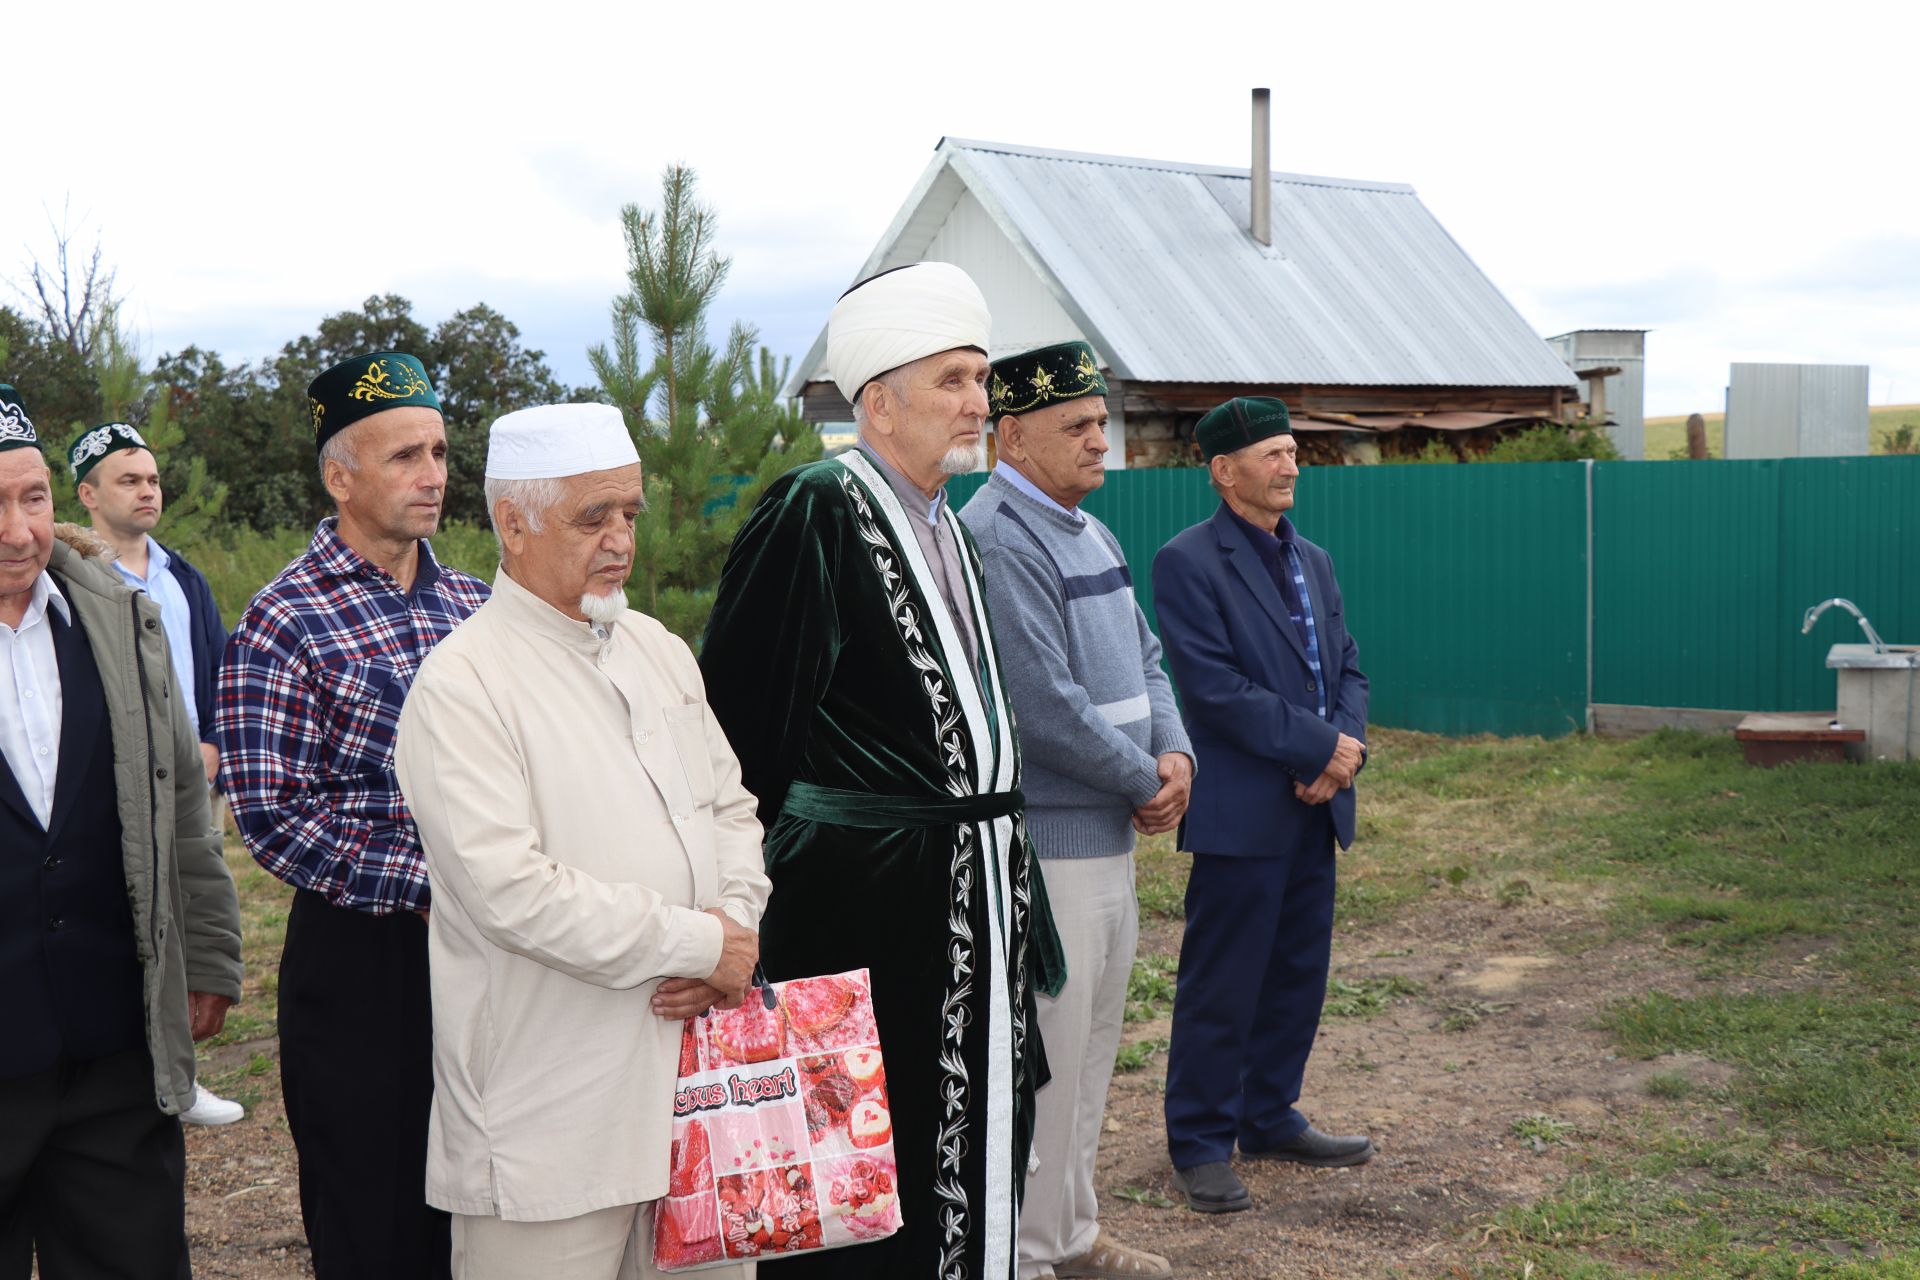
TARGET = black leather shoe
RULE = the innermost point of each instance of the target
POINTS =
(1321, 1150)
(1212, 1188)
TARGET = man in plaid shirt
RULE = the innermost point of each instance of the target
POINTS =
(309, 700)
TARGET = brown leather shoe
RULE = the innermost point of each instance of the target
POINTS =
(1111, 1260)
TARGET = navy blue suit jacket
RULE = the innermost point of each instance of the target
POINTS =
(1245, 690)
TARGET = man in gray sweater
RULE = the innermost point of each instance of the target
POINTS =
(1104, 756)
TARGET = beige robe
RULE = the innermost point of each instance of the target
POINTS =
(580, 809)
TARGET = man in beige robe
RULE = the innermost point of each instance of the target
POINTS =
(595, 864)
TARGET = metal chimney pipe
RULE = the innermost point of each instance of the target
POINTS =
(1260, 205)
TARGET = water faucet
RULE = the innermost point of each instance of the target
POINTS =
(1813, 616)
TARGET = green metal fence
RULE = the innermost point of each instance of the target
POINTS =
(1703, 570)
(1470, 592)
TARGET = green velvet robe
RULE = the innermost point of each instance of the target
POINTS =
(880, 759)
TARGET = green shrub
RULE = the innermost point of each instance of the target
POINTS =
(1435, 451)
(1548, 443)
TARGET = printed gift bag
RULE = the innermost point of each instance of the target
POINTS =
(782, 1139)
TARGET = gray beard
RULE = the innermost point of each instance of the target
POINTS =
(963, 458)
(605, 609)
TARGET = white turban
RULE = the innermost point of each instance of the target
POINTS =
(899, 316)
(558, 440)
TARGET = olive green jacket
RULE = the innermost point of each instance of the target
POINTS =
(185, 912)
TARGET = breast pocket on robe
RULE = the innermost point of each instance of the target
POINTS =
(687, 726)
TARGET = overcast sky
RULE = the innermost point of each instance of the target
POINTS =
(1748, 189)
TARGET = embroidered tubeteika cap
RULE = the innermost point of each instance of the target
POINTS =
(1241, 421)
(87, 450)
(363, 386)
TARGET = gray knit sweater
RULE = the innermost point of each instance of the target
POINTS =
(1082, 668)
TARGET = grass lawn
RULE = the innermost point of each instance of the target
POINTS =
(1790, 901)
(1782, 909)
(1667, 437)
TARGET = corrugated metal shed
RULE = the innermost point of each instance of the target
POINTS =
(1153, 264)
(1626, 396)
(1797, 411)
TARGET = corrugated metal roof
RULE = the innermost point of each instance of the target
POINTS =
(1361, 286)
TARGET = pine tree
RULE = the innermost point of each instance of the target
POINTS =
(710, 427)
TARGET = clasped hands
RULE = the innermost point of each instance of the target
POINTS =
(1338, 775)
(681, 998)
(1169, 804)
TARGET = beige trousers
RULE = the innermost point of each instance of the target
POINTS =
(608, 1244)
(1099, 922)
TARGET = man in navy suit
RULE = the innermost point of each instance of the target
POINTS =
(1275, 703)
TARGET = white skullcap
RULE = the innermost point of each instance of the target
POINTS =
(899, 316)
(552, 440)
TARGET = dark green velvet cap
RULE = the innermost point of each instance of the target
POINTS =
(84, 454)
(363, 386)
(1241, 421)
(1050, 375)
(16, 428)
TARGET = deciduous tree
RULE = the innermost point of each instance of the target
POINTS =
(129, 393)
(480, 371)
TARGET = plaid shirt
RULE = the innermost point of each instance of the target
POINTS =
(308, 703)
(1297, 569)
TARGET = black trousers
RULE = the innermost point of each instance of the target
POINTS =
(356, 1070)
(92, 1175)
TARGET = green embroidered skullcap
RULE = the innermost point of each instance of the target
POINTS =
(16, 428)
(363, 386)
(1048, 376)
(1241, 421)
(84, 454)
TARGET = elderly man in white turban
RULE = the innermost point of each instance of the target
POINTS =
(851, 662)
(595, 865)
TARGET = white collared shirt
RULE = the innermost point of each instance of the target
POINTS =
(30, 701)
(176, 618)
(1013, 477)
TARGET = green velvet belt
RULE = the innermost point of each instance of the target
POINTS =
(863, 809)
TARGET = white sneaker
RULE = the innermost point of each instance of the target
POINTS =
(211, 1108)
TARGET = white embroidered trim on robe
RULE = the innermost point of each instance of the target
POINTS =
(993, 770)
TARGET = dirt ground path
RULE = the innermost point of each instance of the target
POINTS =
(1502, 1028)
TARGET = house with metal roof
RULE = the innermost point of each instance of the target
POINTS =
(1347, 299)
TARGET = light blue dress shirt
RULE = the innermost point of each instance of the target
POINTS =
(175, 616)
(1032, 490)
